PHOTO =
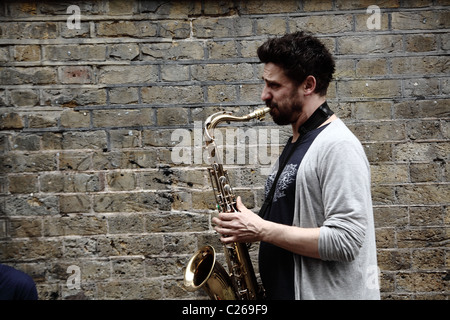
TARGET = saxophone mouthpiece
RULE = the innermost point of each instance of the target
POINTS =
(259, 113)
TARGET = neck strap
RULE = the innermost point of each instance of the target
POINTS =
(322, 114)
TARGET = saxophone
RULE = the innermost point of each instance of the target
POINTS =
(202, 270)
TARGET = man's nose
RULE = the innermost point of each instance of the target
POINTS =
(265, 94)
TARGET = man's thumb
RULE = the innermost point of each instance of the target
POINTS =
(239, 203)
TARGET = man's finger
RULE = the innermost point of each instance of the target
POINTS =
(239, 204)
(228, 239)
(226, 216)
(223, 231)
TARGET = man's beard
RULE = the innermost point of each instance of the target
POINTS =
(287, 114)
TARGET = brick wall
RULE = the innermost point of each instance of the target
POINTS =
(92, 203)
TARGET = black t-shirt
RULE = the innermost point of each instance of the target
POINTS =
(276, 265)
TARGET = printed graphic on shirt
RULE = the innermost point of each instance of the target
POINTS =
(286, 177)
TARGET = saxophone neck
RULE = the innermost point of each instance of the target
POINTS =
(213, 120)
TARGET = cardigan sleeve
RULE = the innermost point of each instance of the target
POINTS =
(344, 175)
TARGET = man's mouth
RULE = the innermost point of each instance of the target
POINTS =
(274, 113)
(271, 105)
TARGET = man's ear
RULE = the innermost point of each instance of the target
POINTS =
(309, 85)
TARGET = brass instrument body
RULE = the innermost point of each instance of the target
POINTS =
(203, 271)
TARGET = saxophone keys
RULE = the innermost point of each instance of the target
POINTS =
(227, 188)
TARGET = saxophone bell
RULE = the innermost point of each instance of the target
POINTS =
(203, 271)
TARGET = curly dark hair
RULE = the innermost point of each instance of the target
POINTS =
(300, 54)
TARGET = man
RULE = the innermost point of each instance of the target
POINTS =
(16, 285)
(317, 232)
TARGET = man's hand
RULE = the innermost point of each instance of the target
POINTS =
(242, 226)
(246, 226)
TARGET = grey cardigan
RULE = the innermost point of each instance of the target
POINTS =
(333, 193)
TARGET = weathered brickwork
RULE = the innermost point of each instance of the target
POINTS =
(93, 204)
